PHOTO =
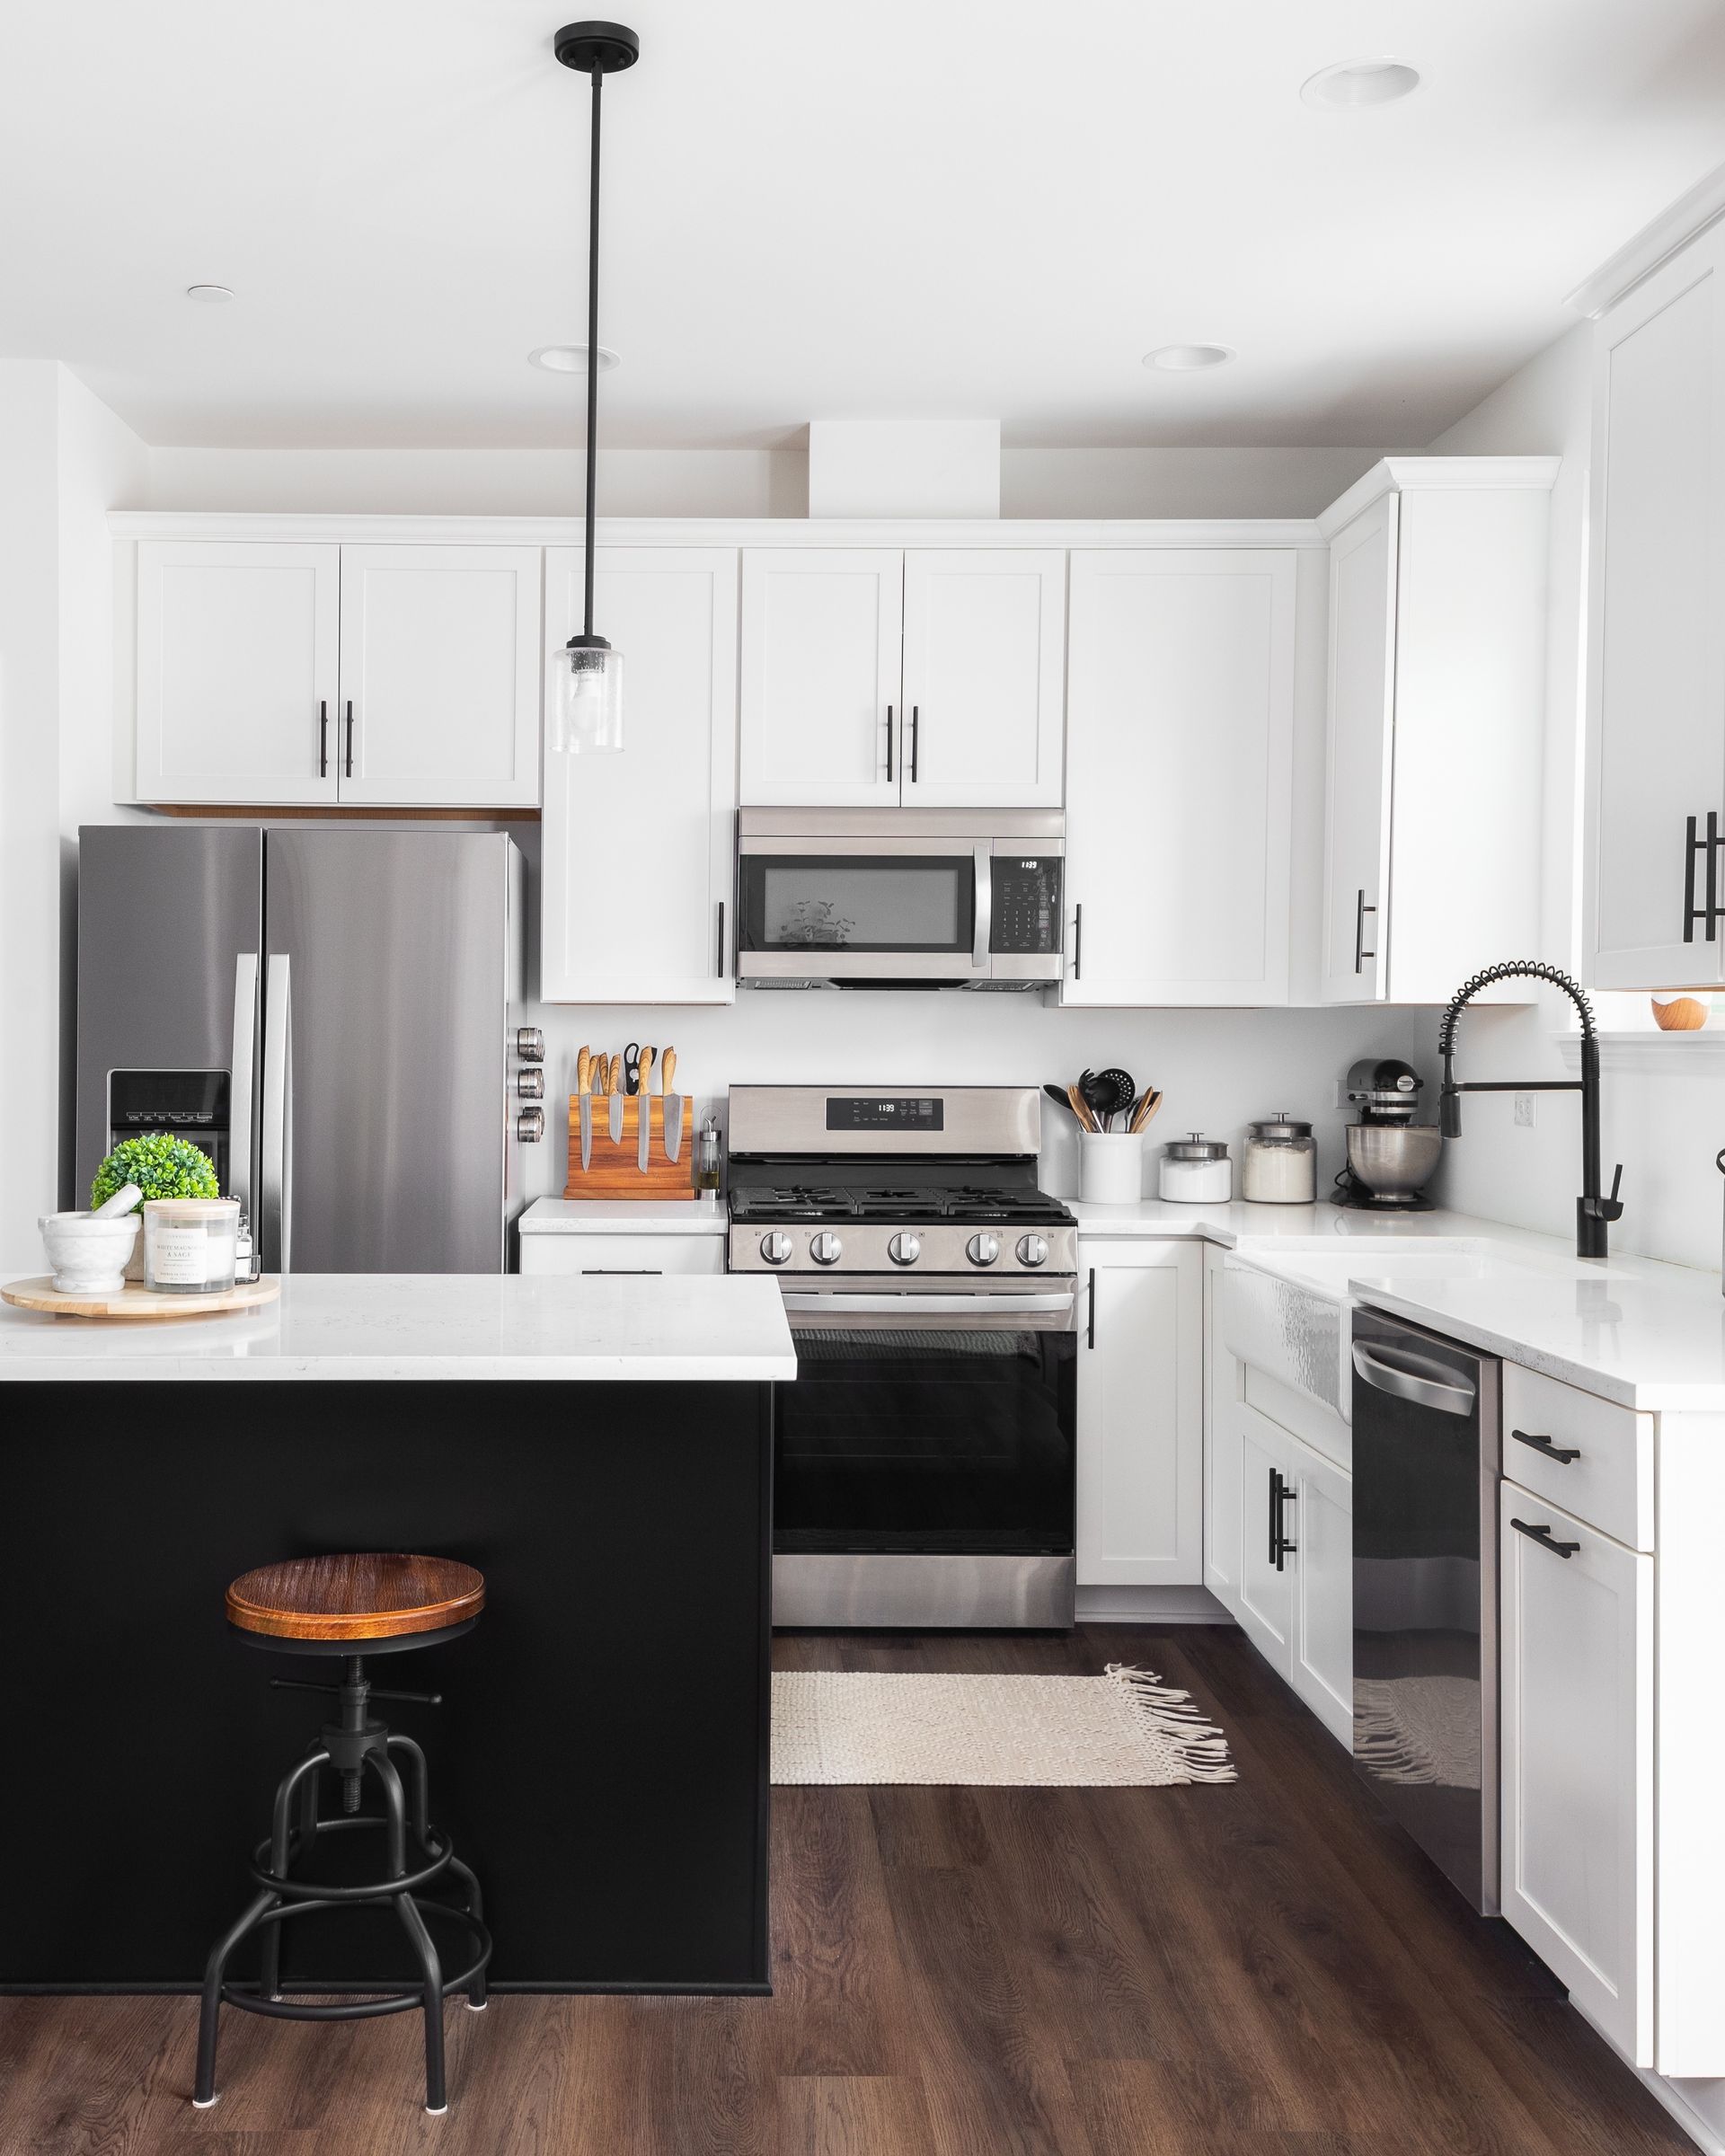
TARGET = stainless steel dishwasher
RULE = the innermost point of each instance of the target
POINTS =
(1425, 1468)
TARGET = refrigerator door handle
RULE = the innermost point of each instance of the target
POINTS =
(277, 1118)
(243, 1080)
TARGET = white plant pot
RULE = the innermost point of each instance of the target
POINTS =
(88, 1257)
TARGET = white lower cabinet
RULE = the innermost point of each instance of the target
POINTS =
(1576, 1663)
(1280, 1550)
(1140, 1414)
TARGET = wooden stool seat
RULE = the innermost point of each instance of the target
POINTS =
(374, 1595)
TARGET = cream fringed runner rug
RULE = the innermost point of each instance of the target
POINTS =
(1123, 1730)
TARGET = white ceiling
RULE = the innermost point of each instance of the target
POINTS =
(840, 208)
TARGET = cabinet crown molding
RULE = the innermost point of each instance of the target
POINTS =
(1656, 242)
(716, 531)
(1434, 474)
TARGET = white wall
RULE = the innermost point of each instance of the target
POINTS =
(1664, 1124)
(1177, 482)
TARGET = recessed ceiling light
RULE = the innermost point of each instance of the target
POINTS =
(212, 294)
(1351, 84)
(571, 358)
(1186, 358)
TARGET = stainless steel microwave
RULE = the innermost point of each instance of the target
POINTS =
(900, 899)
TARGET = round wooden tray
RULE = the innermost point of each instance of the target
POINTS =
(133, 1301)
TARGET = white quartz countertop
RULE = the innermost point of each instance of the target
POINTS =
(633, 1216)
(723, 1326)
(1644, 1334)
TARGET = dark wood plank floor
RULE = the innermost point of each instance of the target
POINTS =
(1265, 1969)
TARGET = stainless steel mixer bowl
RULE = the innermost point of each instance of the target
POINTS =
(1393, 1160)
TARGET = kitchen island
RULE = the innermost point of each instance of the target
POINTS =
(600, 1449)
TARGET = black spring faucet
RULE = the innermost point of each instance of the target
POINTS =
(1592, 1210)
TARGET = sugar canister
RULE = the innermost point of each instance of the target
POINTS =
(1279, 1164)
(1196, 1170)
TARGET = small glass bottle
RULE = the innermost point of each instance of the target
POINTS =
(706, 1160)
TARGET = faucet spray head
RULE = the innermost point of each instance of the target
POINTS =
(1449, 1101)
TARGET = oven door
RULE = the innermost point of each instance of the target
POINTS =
(925, 1458)
(864, 909)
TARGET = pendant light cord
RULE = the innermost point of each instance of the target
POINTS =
(592, 346)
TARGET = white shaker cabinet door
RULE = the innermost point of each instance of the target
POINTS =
(236, 682)
(822, 715)
(1577, 1675)
(1359, 762)
(1222, 1494)
(636, 873)
(1140, 1415)
(1179, 721)
(1657, 676)
(984, 682)
(440, 672)
(1319, 1522)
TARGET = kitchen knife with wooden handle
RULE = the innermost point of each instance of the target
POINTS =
(584, 1088)
(673, 1105)
(644, 1133)
(616, 1099)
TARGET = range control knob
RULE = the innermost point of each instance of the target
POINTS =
(775, 1248)
(982, 1249)
(530, 1083)
(1033, 1249)
(905, 1249)
(826, 1249)
(530, 1125)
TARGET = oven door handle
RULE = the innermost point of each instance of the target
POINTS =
(939, 1306)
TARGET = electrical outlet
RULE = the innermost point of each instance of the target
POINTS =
(1524, 1111)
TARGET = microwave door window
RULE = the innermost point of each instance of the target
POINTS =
(839, 903)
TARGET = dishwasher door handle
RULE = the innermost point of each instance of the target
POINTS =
(1448, 1393)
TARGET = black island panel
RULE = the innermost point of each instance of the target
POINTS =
(600, 1757)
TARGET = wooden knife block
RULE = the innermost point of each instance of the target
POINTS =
(614, 1174)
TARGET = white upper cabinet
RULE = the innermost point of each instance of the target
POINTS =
(1179, 768)
(822, 715)
(1438, 624)
(237, 677)
(638, 847)
(984, 669)
(440, 674)
(876, 678)
(1657, 670)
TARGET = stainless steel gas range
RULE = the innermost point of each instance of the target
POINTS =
(925, 1453)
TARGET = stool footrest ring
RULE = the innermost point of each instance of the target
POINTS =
(410, 1882)
(368, 2008)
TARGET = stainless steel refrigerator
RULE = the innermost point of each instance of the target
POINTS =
(329, 1013)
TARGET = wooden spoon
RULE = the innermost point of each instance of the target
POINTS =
(1081, 1107)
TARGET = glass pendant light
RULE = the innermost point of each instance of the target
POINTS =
(585, 714)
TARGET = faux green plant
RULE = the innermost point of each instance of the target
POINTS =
(160, 1165)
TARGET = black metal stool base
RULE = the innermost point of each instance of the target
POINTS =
(357, 1744)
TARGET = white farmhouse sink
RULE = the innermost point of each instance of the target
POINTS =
(1286, 1309)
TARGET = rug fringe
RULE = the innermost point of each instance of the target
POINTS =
(1202, 1748)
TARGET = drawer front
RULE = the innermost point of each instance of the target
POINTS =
(1608, 1482)
(574, 1254)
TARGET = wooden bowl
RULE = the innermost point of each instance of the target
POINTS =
(1682, 1014)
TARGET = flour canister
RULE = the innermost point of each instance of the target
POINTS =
(1279, 1166)
(1196, 1170)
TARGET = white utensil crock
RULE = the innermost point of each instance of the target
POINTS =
(1110, 1167)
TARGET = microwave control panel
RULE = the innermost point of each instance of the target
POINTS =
(1026, 905)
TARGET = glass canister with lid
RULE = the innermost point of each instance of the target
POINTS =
(1279, 1164)
(1196, 1170)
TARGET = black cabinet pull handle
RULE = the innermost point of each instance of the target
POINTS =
(1361, 911)
(1090, 1305)
(1552, 1449)
(1078, 941)
(350, 770)
(1282, 1494)
(915, 737)
(721, 940)
(324, 738)
(1709, 911)
(1545, 1538)
(889, 745)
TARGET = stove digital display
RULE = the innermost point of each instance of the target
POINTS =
(865, 1112)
